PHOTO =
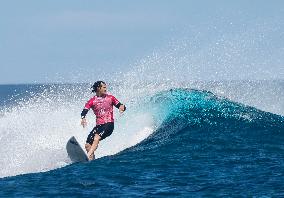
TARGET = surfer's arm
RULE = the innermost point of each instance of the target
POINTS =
(88, 105)
(83, 117)
(84, 113)
(118, 105)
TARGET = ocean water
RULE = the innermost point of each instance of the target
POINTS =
(191, 139)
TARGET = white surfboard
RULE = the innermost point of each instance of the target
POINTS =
(75, 151)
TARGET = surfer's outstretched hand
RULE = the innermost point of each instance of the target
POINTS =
(84, 122)
(121, 108)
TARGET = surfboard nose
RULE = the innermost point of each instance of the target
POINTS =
(75, 151)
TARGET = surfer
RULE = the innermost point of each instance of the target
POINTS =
(102, 105)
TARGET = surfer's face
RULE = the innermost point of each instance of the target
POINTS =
(102, 89)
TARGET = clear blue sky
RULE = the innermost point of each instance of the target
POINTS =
(44, 40)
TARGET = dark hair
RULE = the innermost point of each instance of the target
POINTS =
(96, 85)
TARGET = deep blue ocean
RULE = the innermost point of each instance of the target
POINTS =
(186, 141)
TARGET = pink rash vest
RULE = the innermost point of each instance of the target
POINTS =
(102, 107)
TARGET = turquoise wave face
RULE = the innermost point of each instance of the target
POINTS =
(195, 110)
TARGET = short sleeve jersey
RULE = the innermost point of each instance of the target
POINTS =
(102, 107)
